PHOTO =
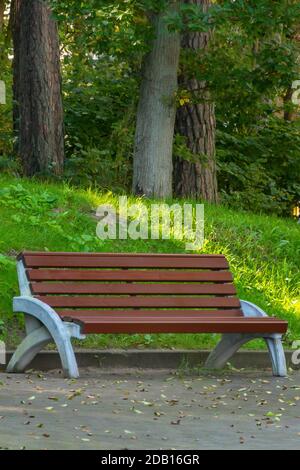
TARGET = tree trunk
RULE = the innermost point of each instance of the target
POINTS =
(156, 113)
(289, 111)
(15, 29)
(196, 122)
(38, 111)
(2, 10)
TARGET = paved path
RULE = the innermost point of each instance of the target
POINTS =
(149, 410)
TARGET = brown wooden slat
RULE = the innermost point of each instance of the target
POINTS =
(113, 314)
(100, 261)
(145, 319)
(121, 275)
(117, 255)
(139, 301)
(243, 325)
(96, 288)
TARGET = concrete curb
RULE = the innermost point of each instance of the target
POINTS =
(149, 359)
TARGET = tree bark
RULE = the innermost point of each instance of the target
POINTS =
(38, 110)
(156, 113)
(15, 30)
(196, 122)
(2, 10)
(289, 112)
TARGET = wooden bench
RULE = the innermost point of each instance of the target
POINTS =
(65, 295)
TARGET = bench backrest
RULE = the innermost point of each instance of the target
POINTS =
(132, 281)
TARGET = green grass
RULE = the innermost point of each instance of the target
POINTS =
(263, 251)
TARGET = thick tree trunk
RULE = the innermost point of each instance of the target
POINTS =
(156, 113)
(196, 122)
(38, 111)
(2, 10)
(15, 28)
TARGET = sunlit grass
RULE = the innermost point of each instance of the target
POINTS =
(263, 252)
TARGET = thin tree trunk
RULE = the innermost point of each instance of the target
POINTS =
(289, 112)
(38, 111)
(196, 122)
(156, 113)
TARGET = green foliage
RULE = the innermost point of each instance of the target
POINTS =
(268, 160)
(249, 67)
(6, 138)
(181, 149)
(17, 197)
(96, 168)
(103, 49)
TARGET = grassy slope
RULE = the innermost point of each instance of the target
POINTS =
(264, 253)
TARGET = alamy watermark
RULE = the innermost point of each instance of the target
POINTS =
(152, 222)
(296, 353)
(2, 353)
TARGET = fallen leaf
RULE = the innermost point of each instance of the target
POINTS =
(176, 423)
(75, 393)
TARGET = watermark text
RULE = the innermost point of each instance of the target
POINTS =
(152, 222)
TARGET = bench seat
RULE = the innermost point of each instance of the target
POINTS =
(85, 293)
(172, 322)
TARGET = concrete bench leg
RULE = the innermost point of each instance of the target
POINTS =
(43, 326)
(225, 349)
(231, 343)
(277, 355)
(28, 349)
